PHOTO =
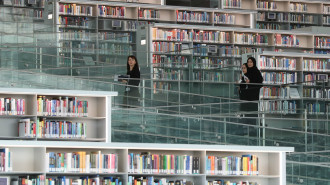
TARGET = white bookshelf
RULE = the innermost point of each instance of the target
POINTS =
(97, 122)
(31, 158)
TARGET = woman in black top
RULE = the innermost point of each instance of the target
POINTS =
(255, 78)
(243, 86)
(132, 90)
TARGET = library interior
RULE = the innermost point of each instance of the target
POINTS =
(165, 92)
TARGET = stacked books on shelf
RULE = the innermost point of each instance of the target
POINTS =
(66, 106)
(250, 39)
(231, 3)
(149, 14)
(277, 63)
(286, 40)
(171, 35)
(74, 9)
(223, 18)
(298, 7)
(12, 106)
(6, 160)
(163, 163)
(169, 61)
(211, 36)
(221, 182)
(95, 180)
(51, 129)
(279, 77)
(319, 93)
(191, 16)
(232, 165)
(265, 5)
(322, 42)
(278, 106)
(82, 161)
(113, 12)
(132, 180)
(322, 65)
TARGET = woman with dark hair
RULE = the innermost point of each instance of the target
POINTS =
(132, 90)
(255, 78)
(243, 86)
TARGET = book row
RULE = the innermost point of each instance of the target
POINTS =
(251, 39)
(108, 11)
(117, 49)
(277, 63)
(209, 63)
(161, 87)
(269, 26)
(221, 51)
(66, 106)
(78, 35)
(286, 40)
(224, 19)
(316, 93)
(27, 13)
(80, 22)
(81, 47)
(225, 182)
(312, 78)
(148, 14)
(6, 160)
(231, 3)
(280, 17)
(51, 129)
(316, 65)
(74, 9)
(266, 5)
(298, 7)
(167, 47)
(163, 164)
(190, 16)
(326, 9)
(12, 106)
(82, 161)
(94, 180)
(317, 108)
(151, 180)
(278, 106)
(279, 77)
(275, 92)
(209, 76)
(167, 74)
(232, 165)
(301, 18)
(116, 37)
(322, 42)
(169, 61)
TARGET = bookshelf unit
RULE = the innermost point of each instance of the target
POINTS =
(106, 32)
(41, 160)
(55, 115)
(211, 55)
(298, 69)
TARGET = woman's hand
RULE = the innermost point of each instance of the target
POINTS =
(247, 80)
(124, 81)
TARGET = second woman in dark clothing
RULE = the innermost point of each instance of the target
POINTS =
(132, 90)
(255, 78)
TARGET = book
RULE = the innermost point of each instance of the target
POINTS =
(294, 94)
(4, 180)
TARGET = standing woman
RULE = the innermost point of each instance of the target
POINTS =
(243, 86)
(255, 78)
(132, 90)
